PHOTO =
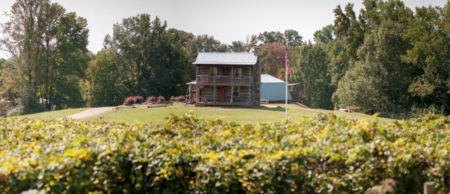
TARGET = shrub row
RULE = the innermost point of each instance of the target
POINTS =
(187, 154)
(130, 100)
(178, 98)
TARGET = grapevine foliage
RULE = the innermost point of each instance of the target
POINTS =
(187, 154)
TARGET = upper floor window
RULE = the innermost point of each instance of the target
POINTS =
(213, 71)
(238, 72)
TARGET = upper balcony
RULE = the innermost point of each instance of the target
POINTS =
(223, 80)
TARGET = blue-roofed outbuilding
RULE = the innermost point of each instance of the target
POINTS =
(273, 89)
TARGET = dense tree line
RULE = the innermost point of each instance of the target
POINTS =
(389, 59)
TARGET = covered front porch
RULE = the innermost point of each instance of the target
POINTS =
(245, 104)
(220, 95)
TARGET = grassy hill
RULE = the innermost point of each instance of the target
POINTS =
(274, 112)
(53, 114)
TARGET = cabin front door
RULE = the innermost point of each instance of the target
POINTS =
(222, 94)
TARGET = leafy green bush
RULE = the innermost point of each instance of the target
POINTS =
(16, 110)
(187, 154)
(3, 107)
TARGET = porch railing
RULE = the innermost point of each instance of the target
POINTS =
(219, 79)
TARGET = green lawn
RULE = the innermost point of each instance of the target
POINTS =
(240, 115)
(53, 114)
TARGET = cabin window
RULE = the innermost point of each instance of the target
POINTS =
(236, 91)
(238, 72)
(213, 71)
(225, 71)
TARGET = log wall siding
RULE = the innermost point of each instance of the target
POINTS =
(207, 94)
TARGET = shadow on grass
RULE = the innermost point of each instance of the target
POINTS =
(277, 109)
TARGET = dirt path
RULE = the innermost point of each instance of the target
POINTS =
(90, 113)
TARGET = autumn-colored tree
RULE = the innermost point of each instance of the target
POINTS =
(273, 60)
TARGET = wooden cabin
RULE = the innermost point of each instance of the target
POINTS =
(226, 79)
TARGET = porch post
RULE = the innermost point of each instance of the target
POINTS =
(232, 83)
(197, 93)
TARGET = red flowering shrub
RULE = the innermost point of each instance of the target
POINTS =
(129, 101)
(138, 99)
(151, 99)
(161, 98)
(181, 98)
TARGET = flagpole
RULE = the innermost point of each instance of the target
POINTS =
(286, 72)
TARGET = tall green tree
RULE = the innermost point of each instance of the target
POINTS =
(151, 58)
(244, 46)
(48, 45)
(204, 43)
(325, 35)
(380, 75)
(336, 53)
(294, 38)
(428, 32)
(311, 71)
(237, 46)
(349, 29)
(271, 37)
(379, 80)
(105, 86)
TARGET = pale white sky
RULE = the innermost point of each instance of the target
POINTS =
(226, 20)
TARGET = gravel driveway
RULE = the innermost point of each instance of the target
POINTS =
(90, 113)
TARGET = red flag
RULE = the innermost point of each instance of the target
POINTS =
(287, 58)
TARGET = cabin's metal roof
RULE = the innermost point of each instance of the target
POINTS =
(266, 78)
(226, 59)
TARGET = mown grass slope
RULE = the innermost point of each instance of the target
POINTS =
(273, 113)
(53, 114)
